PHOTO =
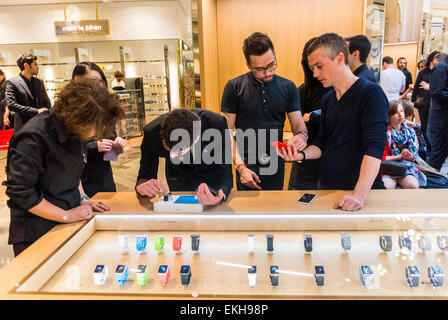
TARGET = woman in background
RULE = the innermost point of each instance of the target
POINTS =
(97, 175)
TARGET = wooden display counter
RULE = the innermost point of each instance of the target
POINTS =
(60, 265)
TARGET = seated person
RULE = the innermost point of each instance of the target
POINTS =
(402, 145)
(409, 114)
(188, 166)
(46, 158)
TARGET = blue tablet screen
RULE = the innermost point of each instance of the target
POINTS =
(186, 199)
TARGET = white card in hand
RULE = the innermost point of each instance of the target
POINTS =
(110, 156)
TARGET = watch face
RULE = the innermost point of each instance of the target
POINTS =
(252, 269)
(142, 268)
(163, 269)
(273, 269)
(319, 270)
(185, 269)
(366, 270)
(99, 268)
(120, 268)
(413, 270)
(436, 270)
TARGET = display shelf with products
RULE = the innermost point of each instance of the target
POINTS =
(132, 124)
(156, 94)
(319, 252)
(54, 86)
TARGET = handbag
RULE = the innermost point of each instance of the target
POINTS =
(5, 137)
(393, 168)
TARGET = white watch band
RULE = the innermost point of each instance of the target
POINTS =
(252, 279)
(251, 243)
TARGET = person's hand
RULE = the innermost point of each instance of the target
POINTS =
(40, 110)
(411, 87)
(306, 117)
(249, 178)
(349, 203)
(151, 188)
(298, 142)
(289, 155)
(6, 121)
(205, 196)
(96, 206)
(407, 155)
(82, 212)
(119, 143)
(424, 85)
(104, 145)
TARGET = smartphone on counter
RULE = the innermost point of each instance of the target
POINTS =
(307, 198)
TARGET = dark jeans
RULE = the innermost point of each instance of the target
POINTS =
(19, 247)
(423, 112)
(438, 137)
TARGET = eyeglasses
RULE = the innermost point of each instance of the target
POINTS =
(262, 70)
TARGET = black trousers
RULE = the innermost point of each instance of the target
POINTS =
(423, 112)
(271, 182)
(305, 175)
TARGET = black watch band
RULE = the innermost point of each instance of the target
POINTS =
(274, 280)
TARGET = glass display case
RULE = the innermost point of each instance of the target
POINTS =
(258, 245)
(132, 124)
(156, 94)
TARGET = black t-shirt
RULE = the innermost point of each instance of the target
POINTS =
(350, 128)
(260, 106)
(363, 72)
(43, 162)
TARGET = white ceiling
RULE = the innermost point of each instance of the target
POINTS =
(31, 2)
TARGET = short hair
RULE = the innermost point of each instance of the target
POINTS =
(423, 61)
(178, 119)
(401, 59)
(85, 104)
(25, 58)
(333, 42)
(408, 108)
(119, 74)
(361, 43)
(81, 70)
(388, 60)
(257, 44)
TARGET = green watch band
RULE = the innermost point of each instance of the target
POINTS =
(142, 277)
(159, 242)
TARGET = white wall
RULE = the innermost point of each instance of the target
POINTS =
(128, 21)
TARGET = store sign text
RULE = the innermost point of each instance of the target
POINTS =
(82, 28)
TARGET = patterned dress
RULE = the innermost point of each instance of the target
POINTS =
(405, 138)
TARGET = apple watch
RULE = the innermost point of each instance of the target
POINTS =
(366, 276)
(195, 242)
(159, 242)
(123, 242)
(424, 242)
(442, 241)
(167, 197)
(252, 276)
(121, 274)
(142, 275)
(270, 243)
(273, 274)
(386, 242)
(163, 273)
(185, 274)
(412, 276)
(435, 275)
(100, 274)
(319, 275)
(177, 242)
(346, 242)
(140, 242)
(251, 243)
(308, 242)
(404, 242)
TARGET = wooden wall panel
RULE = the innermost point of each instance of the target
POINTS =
(407, 50)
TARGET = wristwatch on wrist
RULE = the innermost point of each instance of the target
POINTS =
(270, 243)
(319, 275)
(100, 274)
(386, 242)
(304, 157)
(412, 276)
(308, 242)
(346, 242)
(84, 197)
(273, 274)
(435, 275)
(252, 276)
(185, 274)
(304, 133)
(142, 275)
